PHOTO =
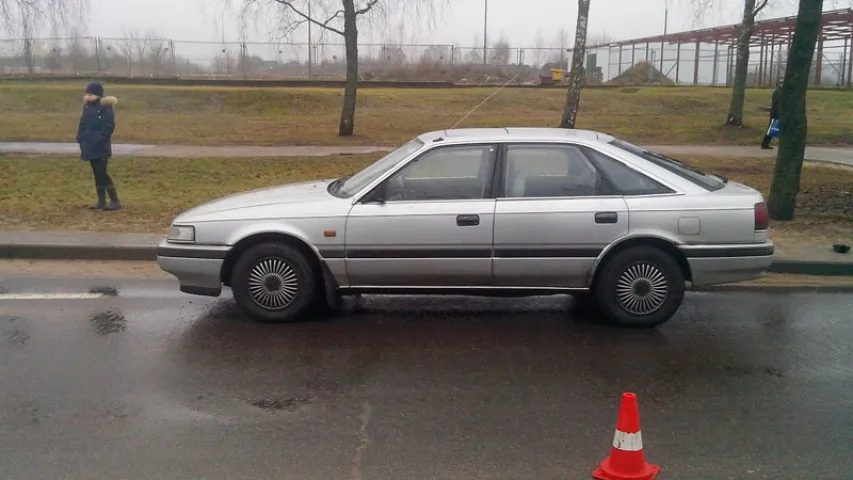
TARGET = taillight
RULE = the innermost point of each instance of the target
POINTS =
(762, 216)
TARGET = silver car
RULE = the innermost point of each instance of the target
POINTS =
(498, 211)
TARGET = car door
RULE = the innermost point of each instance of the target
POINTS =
(555, 213)
(428, 225)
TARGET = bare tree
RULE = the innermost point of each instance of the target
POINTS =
(793, 124)
(573, 97)
(134, 45)
(24, 18)
(501, 51)
(157, 48)
(599, 38)
(563, 41)
(751, 9)
(474, 55)
(539, 49)
(126, 47)
(336, 18)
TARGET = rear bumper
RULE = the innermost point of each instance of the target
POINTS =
(197, 267)
(718, 264)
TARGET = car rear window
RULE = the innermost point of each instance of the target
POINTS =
(681, 169)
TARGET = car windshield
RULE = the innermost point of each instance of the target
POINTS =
(681, 169)
(349, 186)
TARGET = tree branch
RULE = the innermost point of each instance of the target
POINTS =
(325, 25)
(367, 7)
(759, 8)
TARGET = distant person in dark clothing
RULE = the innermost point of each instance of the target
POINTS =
(94, 135)
(774, 115)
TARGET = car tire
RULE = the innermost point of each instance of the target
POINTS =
(274, 282)
(639, 287)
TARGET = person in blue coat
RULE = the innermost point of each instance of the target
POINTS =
(774, 115)
(97, 123)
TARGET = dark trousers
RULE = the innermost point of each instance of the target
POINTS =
(767, 138)
(102, 178)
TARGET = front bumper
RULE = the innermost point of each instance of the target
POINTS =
(718, 264)
(197, 267)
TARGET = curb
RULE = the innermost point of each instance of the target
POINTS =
(137, 252)
(823, 268)
(778, 289)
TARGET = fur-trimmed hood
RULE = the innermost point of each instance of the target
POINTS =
(107, 101)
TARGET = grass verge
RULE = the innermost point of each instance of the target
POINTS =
(53, 193)
(310, 116)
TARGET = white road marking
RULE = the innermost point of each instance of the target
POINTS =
(50, 296)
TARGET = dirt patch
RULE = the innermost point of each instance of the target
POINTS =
(109, 322)
(642, 73)
(82, 268)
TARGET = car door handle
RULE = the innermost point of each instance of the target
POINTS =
(467, 220)
(606, 217)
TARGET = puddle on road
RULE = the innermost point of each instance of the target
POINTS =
(14, 332)
(106, 323)
(276, 404)
(105, 290)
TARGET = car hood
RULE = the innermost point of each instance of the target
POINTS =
(303, 192)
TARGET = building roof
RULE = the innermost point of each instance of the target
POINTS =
(836, 25)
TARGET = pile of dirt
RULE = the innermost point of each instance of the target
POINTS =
(642, 73)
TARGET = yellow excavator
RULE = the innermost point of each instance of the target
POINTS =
(558, 75)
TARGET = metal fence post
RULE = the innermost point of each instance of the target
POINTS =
(98, 54)
(28, 56)
(174, 58)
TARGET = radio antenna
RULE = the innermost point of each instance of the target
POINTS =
(483, 102)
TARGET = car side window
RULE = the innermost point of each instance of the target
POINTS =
(550, 171)
(625, 180)
(462, 172)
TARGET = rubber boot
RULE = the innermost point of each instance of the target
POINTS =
(765, 144)
(114, 203)
(102, 200)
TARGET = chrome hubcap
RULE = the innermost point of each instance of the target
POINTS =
(641, 289)
(273, 284)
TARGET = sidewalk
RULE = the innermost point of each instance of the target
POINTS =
(839, 155)
(47, 245)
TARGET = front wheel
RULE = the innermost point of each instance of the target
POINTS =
(274, 282)
(640, 287)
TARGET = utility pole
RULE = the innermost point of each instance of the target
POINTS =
(485, 29)
(665, 26)
(310, 64)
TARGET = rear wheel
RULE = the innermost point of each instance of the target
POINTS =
(640, 287)
(274, 282)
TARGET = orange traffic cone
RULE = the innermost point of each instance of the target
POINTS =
(626, 460)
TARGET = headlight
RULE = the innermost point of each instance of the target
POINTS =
(181, 234)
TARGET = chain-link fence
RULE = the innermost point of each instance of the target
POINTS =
(638, 64)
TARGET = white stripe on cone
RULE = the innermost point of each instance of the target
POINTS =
(628, 442)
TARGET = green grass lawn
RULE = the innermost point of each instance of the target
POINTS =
(53, 192)
(306, 116)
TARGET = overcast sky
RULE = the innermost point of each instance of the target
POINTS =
(460, 23)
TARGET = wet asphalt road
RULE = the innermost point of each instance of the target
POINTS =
(153, 384)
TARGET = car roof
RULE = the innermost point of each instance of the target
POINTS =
(509, 134)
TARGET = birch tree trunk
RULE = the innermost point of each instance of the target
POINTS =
(735, 117)
(347, 126)
(792, 112)
(573, 97)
